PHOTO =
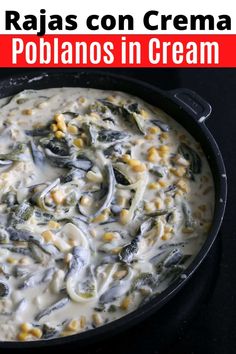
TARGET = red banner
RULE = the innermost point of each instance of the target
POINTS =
(118, 50)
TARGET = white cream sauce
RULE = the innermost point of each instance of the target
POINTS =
(88, 261)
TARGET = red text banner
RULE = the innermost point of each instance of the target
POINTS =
(118, 50)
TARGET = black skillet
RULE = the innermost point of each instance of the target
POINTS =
(187, 108)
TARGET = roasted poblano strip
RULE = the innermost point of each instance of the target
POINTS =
(130, 113)
(145, 280)
(20, 213)
(39, 132)
(54, 307)
(4, 289)
(36, 279)
(163, 126)
(49, 331)
(192, 156)
(82, 162)
(128, 252)
(78, 261)
(37, 154)
(111, 136)
(120, 177)
(17, 154)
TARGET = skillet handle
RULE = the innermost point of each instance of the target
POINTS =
(191, 102)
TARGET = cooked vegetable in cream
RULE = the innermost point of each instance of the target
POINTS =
(104, 201)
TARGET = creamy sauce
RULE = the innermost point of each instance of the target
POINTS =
(104, 201)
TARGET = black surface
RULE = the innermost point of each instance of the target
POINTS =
(212, 330)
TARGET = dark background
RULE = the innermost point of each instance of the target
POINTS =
(208, 325)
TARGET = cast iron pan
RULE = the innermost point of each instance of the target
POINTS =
(187, 108)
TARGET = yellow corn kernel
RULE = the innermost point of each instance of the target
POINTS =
(125, 303)
(153, 185)
(22, 336)
(65, 334)
(139, 168)
(58, 196)
(47, 236)
(94, 177)
(158, 203)
(133, 162)
(149, 137)
(179, 171)
(53, 127)
(42, 105)
(99, 218)
(25, 327)
(154, 130)
(27, 112)
(73, 243)
(187, 230)
(168, 229)
(85, 201)
(82, 322)
(164, 148)
(166, 236)
(126, 158)
(94, 115)
(173, 171)
(82, 99)
(72, 129)
(4, 175)
(116, 250)
(93, 232)
(179, 193)
(58, 117)
(102, 217)
(168, 201)
(68, 257)
(73, 325)
(53, 224)
(124, 216)
(97, 319)
(145, 291)
(152, 150)
(162, 183)
(109, 236)
(119, 274)
(83, 136)
(36, 332)
(180, 160)
(79, 143)
(121, 201)
(62, 126)
(11, 260)
(59, 134)
(111, 98)
(149, 207)
(164, 136)
(162, 154)
(152, 157)
(24, 261)
(144, 113)
(182, 185)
